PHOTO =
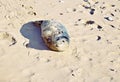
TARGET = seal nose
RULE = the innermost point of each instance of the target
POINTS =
(58, 39)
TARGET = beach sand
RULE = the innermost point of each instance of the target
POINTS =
(94, 51)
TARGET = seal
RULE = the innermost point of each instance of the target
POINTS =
(54, 34)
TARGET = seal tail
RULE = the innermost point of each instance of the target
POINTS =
(38, 23)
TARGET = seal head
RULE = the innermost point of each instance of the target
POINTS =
(61, 43)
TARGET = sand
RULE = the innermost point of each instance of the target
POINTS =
(94, 52)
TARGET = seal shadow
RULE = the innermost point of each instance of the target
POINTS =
(32, 32)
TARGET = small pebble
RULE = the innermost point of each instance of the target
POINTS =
(109, 42)
(79, 19)
(85, 0)
(90, 59)
(61, 1)
(38, 58)
(13, 41)
(108, 18)
(96, 2)
(22, 5)
(112, 70)
(61, 13)
(26, 44)
(99, 27)
(48, 60)
(32, 13)
(98, 37)
(112, 14)
(102, 7)
(86, 7)
(91, 29)
(113, 5)
(111, 78)
(74, 10)
(103, 2)
(118, 46)
(115, 10)
(90, 22)
(73, 75)
(72, 71)
(112, 61)
(92, 11)
(112, 26)
(76, 24)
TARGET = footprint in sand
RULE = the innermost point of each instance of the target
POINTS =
(6, 38)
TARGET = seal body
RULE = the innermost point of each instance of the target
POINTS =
(54, 35)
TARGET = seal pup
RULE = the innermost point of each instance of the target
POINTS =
(54, 34)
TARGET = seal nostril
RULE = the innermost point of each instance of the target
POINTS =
(57, 45)
(59, 32)
(63, 41)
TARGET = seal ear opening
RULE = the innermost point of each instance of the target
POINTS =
(38, 23)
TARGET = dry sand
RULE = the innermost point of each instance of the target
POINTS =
(94, 52)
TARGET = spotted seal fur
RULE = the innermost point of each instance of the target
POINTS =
(54, 34)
